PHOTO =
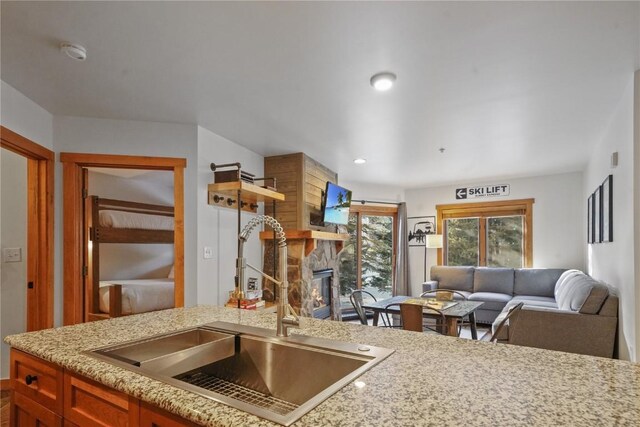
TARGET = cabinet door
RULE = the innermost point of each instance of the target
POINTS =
(150, 416)
(87, 403)
(37, 379)
(27, 413)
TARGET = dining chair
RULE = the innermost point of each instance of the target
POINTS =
(411, 318)
(513, 310)
(356, 299)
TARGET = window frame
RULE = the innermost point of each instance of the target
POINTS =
(359, 211)
(484, 210)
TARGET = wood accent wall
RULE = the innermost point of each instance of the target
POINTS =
(302, 180)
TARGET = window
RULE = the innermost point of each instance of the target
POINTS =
(492, 234)
(368, 259)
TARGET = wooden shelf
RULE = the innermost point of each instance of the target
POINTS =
(225, 195)
(311, 238)
(250, 192)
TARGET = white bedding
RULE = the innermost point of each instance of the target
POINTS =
(139, 296)
(119, 219)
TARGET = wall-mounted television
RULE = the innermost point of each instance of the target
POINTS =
(337, 201)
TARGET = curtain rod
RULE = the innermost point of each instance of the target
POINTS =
(374, 201)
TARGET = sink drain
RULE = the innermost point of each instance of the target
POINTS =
(238, 392)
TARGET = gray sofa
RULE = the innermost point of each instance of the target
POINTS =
(563, 310)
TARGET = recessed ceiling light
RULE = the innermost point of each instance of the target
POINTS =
(383, 81)
(74, 51)
(360, 161)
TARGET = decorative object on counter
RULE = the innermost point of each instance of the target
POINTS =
(607, 209)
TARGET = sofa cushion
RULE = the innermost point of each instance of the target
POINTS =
(563, 280)
(533, 300)
(582, 293)
(457, 278)
(491, 300)
(536, 281)
(498, 280)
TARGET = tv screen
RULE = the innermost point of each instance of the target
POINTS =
(337, 201)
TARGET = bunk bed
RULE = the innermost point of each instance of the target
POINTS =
(120, 221)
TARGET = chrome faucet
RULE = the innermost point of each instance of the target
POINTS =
(287, 317)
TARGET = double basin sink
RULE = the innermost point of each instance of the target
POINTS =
(248, 368)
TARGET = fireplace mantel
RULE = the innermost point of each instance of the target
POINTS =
(311, 238)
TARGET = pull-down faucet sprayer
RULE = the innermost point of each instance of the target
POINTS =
(286, 315)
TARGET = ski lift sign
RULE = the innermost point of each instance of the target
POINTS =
(482, 191)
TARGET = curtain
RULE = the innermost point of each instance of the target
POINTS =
(402, 285)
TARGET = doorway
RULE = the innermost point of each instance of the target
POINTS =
(75, 266)
(27, 237)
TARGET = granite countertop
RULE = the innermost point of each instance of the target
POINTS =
(429, 380)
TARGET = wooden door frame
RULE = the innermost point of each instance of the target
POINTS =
(40, 184)
(72, 164)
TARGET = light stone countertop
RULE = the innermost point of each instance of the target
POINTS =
(429, 380)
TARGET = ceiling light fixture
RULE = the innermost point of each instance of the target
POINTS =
(74, 51)
(360, 161)
(383, 81)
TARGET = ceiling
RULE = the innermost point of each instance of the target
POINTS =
(507, 88)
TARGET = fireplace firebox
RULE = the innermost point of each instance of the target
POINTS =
(321, 293)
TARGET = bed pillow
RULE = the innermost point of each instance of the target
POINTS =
(170, 276)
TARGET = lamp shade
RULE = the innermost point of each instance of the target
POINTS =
(434, 241)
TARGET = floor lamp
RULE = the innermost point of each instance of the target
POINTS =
(432, 241)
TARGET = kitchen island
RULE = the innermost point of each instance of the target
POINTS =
(428, 380)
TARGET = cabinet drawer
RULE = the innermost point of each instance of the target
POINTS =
(37, 380)
(150, 416)
(87, 403)
(27, 413)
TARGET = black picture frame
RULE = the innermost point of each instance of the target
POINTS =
(607, 210)
(418, 227)
(590, 218)
(597, 215)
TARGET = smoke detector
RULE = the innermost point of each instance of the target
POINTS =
(74, 51)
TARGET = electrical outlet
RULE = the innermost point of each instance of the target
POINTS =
(12, 255)
(208, 252)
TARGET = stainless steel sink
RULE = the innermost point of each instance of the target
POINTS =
(248, 368)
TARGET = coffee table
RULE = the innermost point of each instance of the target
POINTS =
(452, 314)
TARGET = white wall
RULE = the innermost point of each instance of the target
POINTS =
(23, 116)
(636, 188)
(613, 262)
(558, 219)
(127, 260)
(101, 136)
(380, 193)
(217, 226)
(13, 234)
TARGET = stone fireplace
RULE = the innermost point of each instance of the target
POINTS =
(313, 258)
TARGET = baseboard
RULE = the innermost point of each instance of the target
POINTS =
(5, 384)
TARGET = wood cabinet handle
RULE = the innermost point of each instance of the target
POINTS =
(30, 379)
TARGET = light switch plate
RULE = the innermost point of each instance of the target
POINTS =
(12, 255)
(208, 252)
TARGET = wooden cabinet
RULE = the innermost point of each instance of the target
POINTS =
(43, 394)
(26, 412)
(150, 416)
(37, 380)
(89, 403)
